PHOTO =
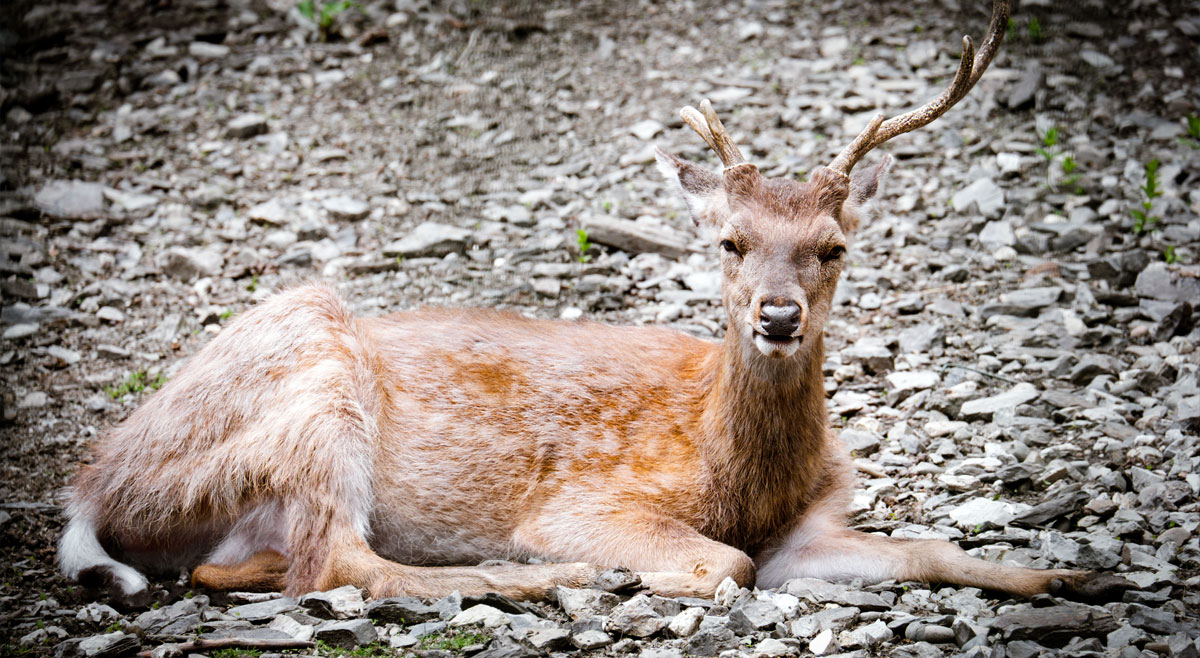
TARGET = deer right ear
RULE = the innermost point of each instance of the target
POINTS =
(703, 190)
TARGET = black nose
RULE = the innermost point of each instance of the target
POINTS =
(780, 320)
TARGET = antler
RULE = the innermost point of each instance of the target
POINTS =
(705, 122)
(970, 68)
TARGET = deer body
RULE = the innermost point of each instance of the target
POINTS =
(306, 449)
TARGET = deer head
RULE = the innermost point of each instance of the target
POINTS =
(783, 242)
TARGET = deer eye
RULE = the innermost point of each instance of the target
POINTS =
(729, 246)
(833, 254)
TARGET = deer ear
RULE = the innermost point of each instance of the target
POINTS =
(703, 190)
(864, 184)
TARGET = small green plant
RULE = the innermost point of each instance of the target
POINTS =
(225, 315)
(1169, 254)
(1035, 29)
(581, 238)
(1193, 129)
(1049, 141)
(253, 285)
(452, 641)
(323, 14)
(135, 382)
(113, 627)
(1142, 219)
(1069, 168)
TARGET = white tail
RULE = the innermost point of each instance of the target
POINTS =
(305, 449)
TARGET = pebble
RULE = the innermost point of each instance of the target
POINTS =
(246, 125)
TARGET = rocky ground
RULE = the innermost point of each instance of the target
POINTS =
(1014, 351)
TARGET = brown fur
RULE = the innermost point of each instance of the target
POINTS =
(306, 449)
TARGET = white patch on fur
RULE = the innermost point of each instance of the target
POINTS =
(79, 550)
(665, 167)
(815, 549)
(774, 350)
(262, 528)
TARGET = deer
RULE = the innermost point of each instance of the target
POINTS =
(305, 449)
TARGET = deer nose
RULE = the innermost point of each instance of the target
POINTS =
(777, 320)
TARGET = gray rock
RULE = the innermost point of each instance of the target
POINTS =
(549, 639)
(342, 207)
(262, 611)
(871, 353)
(292, 627)
(904, 383)
(273, 212)
(481, 614)
(984, 408)
(686, 623)
(186, 263)
(589, 640)
(754, 615)
(246, 125)
(346, 634)
(341, 603)
(1025, 302)
(711, 641)
(585, 603)
(1021, 94)
(983, 513)
(1160, 621)
(646, 129)
(429, 239)
(860, 443)
(1157, 282)
(636, 618)
(920, 338)
(865, 637)
(820, 591)
(20, 330)
(997, 234)
(107, 645)
(984, 193)
(1054, 626)
(401, 610)
(110, 315)
(205, 50)
(1092, 366)
(632, 237)
(70, 199)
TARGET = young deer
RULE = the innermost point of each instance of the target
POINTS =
(304, 449)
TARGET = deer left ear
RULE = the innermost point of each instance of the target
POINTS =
(703, 190)
(863, 187)
(864, 184)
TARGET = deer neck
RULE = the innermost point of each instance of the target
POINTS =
(763, 438)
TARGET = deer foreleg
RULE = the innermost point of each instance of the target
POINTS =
(825, 549)
(670, 557)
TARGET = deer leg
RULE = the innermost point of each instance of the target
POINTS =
(824, 549)
(670, 557)
(262, 572)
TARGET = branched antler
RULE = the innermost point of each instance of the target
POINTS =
(970, 68)
(705, 122)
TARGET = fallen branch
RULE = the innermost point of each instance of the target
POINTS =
(236, 642)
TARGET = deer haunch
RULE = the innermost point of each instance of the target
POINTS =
(306, 449)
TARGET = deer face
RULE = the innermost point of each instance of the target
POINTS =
(781, 242)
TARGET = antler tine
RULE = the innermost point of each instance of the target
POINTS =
(706, 122)
(692, 117)
(970, 67)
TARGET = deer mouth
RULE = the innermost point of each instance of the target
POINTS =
(777, 345)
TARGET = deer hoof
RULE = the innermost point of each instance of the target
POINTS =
(1092, 586)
